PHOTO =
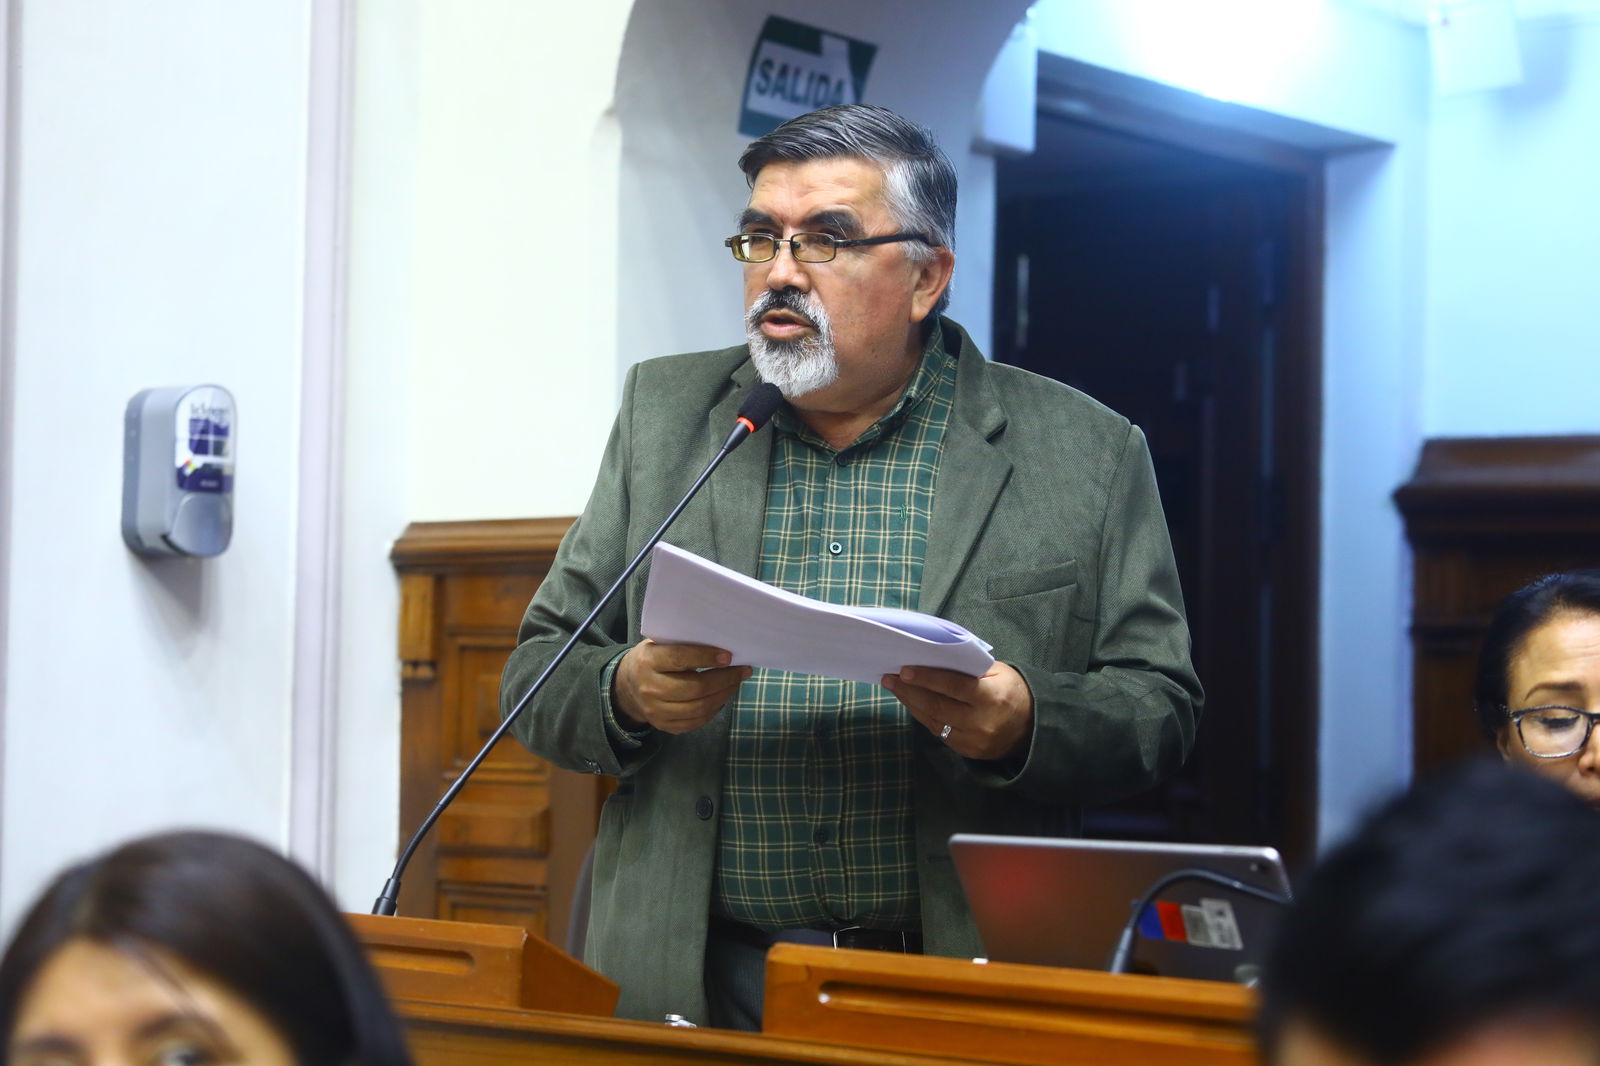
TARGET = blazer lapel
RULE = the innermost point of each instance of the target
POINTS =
(972, 474)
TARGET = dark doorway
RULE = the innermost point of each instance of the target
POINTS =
(1178, 286)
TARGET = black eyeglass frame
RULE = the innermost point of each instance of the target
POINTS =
(1589, 719)
(815, 240)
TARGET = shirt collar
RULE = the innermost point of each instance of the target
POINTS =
(930, 369)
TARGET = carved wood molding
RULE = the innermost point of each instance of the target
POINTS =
(517, 544)
(418, 650)
(1483, 487)
(427, 551)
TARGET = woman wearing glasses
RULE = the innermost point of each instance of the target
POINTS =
(1538, 685)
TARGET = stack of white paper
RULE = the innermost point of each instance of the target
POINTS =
(690, 600)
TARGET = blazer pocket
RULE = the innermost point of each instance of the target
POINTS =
(1026, 582)
(1026, 615)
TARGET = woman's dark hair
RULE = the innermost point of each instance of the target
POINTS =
(1519, 614)
(1467, 901)
(237, 912)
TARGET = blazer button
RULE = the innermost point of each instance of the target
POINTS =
(703, 808)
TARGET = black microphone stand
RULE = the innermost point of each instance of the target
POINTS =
(757, 409)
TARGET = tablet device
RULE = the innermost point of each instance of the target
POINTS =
(1063, 902)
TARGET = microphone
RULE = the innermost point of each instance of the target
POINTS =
(757, 409)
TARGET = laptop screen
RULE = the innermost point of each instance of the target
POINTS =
(1063, 902)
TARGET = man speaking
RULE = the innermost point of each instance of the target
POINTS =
(904, 471)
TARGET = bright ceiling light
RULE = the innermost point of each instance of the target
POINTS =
(1236, 50)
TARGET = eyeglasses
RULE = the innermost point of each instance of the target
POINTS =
(1553, 732)
(807, 247)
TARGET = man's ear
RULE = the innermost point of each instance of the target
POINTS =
(932, 278)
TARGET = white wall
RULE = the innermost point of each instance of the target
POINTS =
(1372, 343)
(1513, 345)
(379, 416)
(160, 174)
(1314, 60)
(8, 70)
(515, 226)
(483, 246)
(1352, 72)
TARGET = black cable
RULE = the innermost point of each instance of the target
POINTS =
(1119, 957)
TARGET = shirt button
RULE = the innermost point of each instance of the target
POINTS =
(821, 835)
(834, 547)
(703, 808)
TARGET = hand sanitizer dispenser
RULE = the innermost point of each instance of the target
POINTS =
(177, 471)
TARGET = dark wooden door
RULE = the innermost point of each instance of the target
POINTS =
(1167, 289)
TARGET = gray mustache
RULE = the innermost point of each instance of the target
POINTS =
(780, 300)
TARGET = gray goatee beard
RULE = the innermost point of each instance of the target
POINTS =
(800, 366)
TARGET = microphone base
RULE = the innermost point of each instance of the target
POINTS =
(389, 900)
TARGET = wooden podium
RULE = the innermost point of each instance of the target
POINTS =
(471, 994)
(999, 1012)
(476, 965)
(483, 995)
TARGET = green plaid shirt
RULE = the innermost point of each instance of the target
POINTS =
(817, 822)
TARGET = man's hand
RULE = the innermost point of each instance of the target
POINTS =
(677, 688)
(990, 717)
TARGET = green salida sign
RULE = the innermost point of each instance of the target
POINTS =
(796, 68)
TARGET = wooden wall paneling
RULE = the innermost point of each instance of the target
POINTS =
(1485, 516)
(510, 847)
(494, 840)
(420, 729)
(417, 625)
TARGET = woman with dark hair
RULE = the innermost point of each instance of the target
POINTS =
(1538, 686)
(190, 949)
(1455, 927)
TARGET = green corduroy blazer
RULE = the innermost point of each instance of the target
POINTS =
(1047, 540)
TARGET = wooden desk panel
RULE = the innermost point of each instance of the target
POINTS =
(442, 1035)
(477, 965)
(997, 1012)
(482, 983)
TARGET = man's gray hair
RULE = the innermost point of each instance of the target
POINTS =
(919, 183)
